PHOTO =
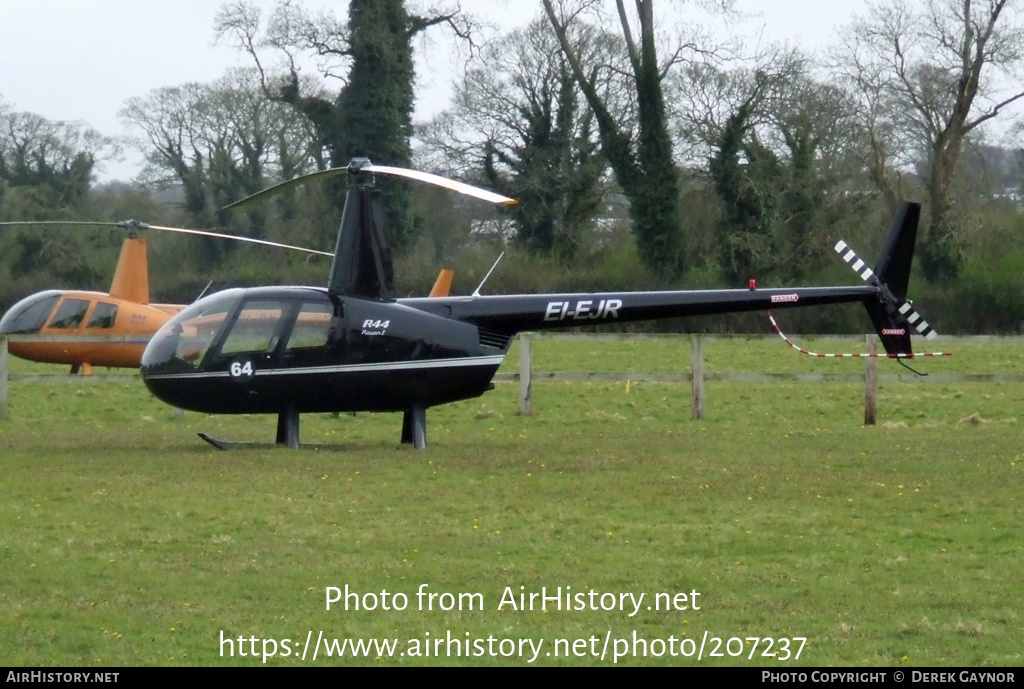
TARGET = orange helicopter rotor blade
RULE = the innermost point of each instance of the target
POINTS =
(136, 226)
(252, 240)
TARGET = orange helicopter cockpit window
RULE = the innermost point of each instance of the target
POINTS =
(69, 314)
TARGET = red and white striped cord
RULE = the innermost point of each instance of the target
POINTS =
(855, 355)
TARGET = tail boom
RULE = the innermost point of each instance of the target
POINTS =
(512, 314)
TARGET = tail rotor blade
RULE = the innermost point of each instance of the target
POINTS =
(915, 320)
(854, 261)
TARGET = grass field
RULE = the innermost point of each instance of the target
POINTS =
(128, 541)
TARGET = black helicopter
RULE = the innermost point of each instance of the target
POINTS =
(352, 346)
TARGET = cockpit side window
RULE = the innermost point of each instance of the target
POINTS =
(308, 343)
(69, 314)
(312, 327)
(103, 316)
(255, 330)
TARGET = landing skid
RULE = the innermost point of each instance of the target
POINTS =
(287, 434)
(227, 444)
(414, 432)
(234, 445)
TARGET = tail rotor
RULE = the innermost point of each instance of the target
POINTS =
(904, 307)
(893, 315)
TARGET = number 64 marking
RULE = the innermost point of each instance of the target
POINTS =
(241, 369)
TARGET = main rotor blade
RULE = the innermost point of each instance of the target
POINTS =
(86, 223)
(135, 226)
(283, 186)
(461, 187)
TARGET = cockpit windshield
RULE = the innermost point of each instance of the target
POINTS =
(29, 314)
(182, 343)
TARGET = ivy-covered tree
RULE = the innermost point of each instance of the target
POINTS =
(219, 143)
(371, 115)
(46, 173)
(778, 141)
(748, 194)
(639, 149)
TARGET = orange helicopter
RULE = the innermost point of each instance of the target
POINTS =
(83, 329)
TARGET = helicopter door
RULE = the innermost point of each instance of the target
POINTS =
(104, 315)
(253, 338)
(310, 336)
(70, 314)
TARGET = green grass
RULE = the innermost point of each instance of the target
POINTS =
(757, 354)
(128, 541)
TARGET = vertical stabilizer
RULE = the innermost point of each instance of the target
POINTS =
(893, 265)
(131, 277)
(443, 284)
(892, 314)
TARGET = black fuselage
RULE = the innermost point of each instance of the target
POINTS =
(265, 350)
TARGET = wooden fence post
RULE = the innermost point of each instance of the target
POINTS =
(3, 377)
(871, 381)
(525, 370)
(697, 374)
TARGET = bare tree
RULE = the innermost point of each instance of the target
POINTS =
(517, 120)
(927, 78)
(57, 159)
(219, 141)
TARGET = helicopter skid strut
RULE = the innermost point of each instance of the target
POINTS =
(414, 426)
(288, 428)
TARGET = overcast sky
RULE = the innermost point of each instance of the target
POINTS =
(80, 60)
